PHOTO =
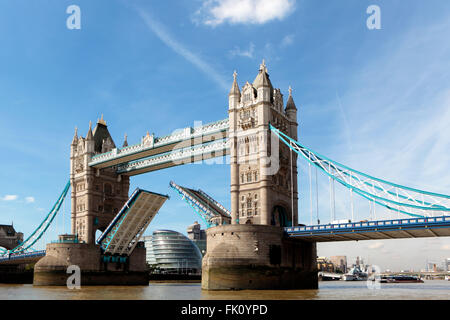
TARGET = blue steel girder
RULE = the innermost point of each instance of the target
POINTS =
(123, 233)
(21, 257)
(226, 211)
(374, 230)
(202, 210)
(176, 157)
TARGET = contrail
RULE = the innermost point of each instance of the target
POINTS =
(160, 31)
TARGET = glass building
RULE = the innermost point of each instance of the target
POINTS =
(150, 255)
(171, 252)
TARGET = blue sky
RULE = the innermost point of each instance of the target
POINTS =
(376, 100)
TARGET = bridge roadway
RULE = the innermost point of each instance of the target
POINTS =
(354, 231)
(374, 230)
(22, 258)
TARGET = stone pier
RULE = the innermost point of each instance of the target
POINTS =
(268, 260)
(51, 270)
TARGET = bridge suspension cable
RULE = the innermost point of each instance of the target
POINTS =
(395, 197)
(317, 198)
(42, 228)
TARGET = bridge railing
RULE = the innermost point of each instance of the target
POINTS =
(178, 156)
(23, 255)
(371, 224)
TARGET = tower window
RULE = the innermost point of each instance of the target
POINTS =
(108, 189)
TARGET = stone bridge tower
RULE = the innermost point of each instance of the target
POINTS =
(263, 184)
(97, 195)
(254, 252)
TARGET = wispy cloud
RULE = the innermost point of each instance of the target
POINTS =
(169, 40)
(10, 197)
(287, 40)
(243, 52)
(30, 200)
(216, 12)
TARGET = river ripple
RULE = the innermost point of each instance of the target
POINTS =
(429, 290)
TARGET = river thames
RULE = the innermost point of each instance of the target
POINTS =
(336, 290)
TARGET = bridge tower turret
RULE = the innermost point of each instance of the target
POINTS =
(262, 191)
(97, 195)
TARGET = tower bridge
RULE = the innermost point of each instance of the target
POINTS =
(256, 244)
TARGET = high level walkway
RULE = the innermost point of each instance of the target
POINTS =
(181, 147)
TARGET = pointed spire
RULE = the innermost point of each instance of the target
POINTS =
(235, 87)
(262, 66)
(262, 79)
(290, 104)
(101, 121)
(125, 142)
(89, 135)
(75, 137)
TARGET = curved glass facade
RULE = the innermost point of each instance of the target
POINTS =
(150, 255)
(174, 252)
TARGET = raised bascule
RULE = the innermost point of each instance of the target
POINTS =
(258, 244)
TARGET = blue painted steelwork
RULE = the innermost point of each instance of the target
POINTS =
(328, 166)
(111, 230)
(225, 210)
(42, 228)
(200, 209)
(121, 152)
(368, 227)
(208, 209)
(106, 237)
(20, 256)
(122, 168)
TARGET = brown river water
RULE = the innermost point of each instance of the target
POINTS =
(335, 290)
